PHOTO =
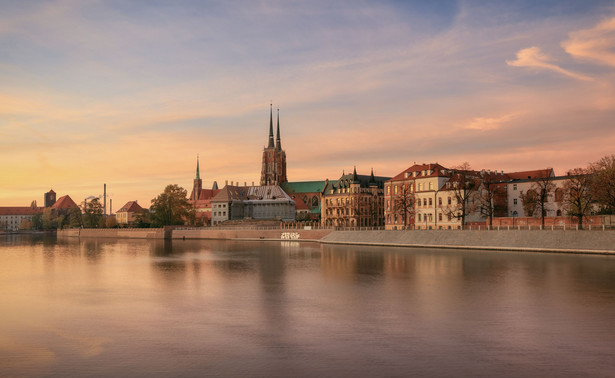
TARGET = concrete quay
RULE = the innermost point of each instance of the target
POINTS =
(560, 241)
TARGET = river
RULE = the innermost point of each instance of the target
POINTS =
(101, 307)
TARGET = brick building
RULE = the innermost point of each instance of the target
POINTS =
(353, 201)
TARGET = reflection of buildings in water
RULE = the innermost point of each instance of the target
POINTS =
(338, 262)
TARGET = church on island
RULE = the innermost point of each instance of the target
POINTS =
(267, 201)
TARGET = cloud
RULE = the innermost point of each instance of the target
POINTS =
(596, 44)
(484, 123)
(533, 57)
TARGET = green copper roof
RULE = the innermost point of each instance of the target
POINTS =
(303, 186)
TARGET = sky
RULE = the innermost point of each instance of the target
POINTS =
(128, 93)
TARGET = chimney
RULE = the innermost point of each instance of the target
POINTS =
(245, 183)
(225, 182)
(105, 199)
(252, 183)
(110, 205)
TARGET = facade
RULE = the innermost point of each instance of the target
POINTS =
(251, 202)
(353, 201)
(126, 214)
(520, 184)
(432, 188)
(274, 158)
(12, 217)
(310, 192)
(423, 185)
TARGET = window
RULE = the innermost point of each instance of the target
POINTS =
(388, 189)
(559, 213)
(449, 200)
(424, 201)
(514, 186)
(395, 189)
(514, 201)
(440, 216)
(419, 216)
(431, 186)
(559, 195)
(440, 201)
(430, 202)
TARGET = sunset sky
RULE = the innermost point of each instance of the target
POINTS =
(127, 93)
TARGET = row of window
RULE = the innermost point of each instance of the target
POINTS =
(419, 217)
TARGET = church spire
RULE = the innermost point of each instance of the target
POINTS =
(355, 178)
(198, 175)
(278, 143)
(270, 127)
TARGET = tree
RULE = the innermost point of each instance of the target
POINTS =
(463, 184)
(603, 183)
(74, 217)
(48, 221)
(579, 196)
(37, 221)
(170, 207)
(111, 222)
(536, 199)
(92, 214)
(25, 224)
(404, 204)
(489, 196)
(529, 200)
(142, 219)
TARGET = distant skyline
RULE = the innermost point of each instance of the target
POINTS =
(128, 93)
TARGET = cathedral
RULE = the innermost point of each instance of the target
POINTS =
(274, 158)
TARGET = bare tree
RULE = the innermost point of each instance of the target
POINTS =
(579, 197)
(463, 183)
(529, 199)
(489, 196)
(536, 199)
(603, 183)
(404, 204)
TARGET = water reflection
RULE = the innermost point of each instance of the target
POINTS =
(158, 308)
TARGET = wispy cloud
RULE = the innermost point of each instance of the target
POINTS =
(596, 44)
(490, 123)
(534, 57)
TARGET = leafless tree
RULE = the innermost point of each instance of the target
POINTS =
(463, 183)
(603, 183)
(404, 203)
(579, 196)
(489, 196)
(536, 199)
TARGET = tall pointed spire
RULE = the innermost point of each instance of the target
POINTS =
(372, 179)
(270, 127)
(198, 175)
(354, 174)
(278, 143)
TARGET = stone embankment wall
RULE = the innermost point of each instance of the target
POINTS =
(126, 233)
(512, 240)
(273, 234)
(521, 240)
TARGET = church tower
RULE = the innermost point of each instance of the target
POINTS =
(198, 183)
(274, 158)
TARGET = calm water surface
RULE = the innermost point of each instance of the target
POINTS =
(208, 308)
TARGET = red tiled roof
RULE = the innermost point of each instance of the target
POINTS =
(525, 175)
(20, 210)
(64, 202)
(130, 207)
(437, 168)
(207, 194)
(299, 204)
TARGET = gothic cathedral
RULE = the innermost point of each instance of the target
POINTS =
(274, 158)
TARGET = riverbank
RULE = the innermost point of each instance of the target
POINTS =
(558, 241)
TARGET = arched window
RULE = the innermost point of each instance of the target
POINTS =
(419, 217)
(430, 203)
(440, 216)
(559, 212)
(449, 200)
(559, 195)
(424, 201)
(314, 201)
